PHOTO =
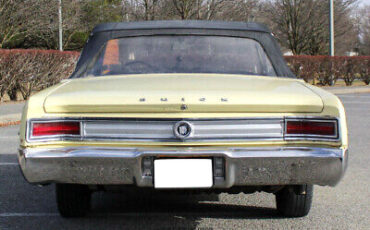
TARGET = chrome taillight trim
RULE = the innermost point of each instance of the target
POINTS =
(31, 138)
(276, 135)
(334, 137)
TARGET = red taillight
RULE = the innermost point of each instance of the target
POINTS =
(56, 128)
(326, 128)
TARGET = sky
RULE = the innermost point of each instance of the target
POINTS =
(365, 2)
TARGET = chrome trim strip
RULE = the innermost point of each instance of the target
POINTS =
(199, 135)
(142, 130)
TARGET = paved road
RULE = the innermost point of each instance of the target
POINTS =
(11, 108)
(346, 206)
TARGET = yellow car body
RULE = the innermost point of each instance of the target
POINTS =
(183, 105)
(153, 97)
(119, 97)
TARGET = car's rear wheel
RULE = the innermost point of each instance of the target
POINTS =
(295, 200)
(73, 200)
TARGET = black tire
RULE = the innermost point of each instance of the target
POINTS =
(73, 200)
(295, 200)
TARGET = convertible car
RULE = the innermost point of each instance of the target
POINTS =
(184, 106)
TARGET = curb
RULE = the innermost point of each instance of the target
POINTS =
(10, 119)
(348, 91)
(5, 124)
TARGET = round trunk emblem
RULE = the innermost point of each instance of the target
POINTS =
(182, 129)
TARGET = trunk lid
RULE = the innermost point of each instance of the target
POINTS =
(187, 93)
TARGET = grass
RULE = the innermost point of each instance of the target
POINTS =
(355, 83)
(341, 83)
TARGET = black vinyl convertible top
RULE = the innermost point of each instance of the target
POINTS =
(184, 24)
(102, 33)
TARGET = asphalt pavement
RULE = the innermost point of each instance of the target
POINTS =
(11, 108)
(346, 206)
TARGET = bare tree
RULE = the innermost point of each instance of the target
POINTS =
(212, 7)
(20, 17)
(34, 23)
(302, 25)
(150, 9)
(185, 8)
(346, 35)
(292, 22)
(239, 10)
(364, 30)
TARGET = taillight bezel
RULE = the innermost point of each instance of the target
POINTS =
(55, 137)
(320, 137)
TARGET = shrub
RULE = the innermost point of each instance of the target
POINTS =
(326, 70)
(26, 71)
(77, 40)
(302, 67)
(363, 69)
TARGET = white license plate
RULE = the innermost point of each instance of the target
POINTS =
(183, 173)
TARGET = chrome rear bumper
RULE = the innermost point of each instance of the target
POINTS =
(243, 166)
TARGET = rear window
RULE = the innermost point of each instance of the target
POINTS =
(182, 54)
